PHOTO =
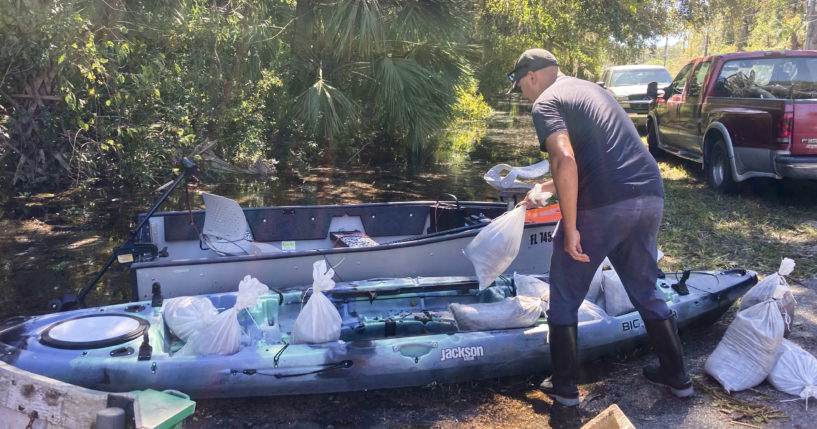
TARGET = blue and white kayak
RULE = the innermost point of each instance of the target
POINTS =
(395, 333)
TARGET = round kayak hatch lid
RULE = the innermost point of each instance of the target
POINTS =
(94, 331)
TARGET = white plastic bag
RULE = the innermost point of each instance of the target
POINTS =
(185, 315)
(774, 287)
(319, 320)
(747, 350)
(222, 334)
(795, 371)
(496, 245)
(516, 312)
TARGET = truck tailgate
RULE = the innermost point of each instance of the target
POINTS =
(804, 131)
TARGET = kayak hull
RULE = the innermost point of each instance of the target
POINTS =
(374, 352)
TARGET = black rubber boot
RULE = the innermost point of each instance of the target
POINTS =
(561, 385)
(667, 345)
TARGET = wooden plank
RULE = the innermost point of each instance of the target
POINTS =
(45, 400)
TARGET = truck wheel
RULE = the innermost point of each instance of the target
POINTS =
(652, 141)
(719, 170)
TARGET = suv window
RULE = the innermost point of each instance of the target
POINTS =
(677, 85)
(697, 79)
(780, 77)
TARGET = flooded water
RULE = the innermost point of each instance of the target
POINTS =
(53, 245)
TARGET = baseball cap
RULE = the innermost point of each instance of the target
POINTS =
(530, 60)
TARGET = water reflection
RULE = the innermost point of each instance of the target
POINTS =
(461, 160)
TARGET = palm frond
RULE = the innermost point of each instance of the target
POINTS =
(355, 27)
(414, 100)
(325, 110)
(429, 20)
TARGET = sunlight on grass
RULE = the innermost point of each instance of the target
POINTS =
(706, 230)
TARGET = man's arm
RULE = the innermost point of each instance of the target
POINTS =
(566, 181)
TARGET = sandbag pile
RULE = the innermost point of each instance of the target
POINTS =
(753, 347)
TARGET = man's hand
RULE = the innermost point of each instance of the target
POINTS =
(535, 203)
(529, 202)
(573, 246)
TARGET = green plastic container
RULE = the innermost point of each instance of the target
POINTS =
(161, 410)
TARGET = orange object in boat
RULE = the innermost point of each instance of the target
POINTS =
(546, 214)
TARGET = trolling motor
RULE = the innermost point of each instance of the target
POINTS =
(128, 251)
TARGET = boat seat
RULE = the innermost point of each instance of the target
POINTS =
(510, 189)
(226, 231)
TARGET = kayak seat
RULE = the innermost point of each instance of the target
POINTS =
(226, 231)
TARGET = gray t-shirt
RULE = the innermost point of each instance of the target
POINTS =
(613, 162)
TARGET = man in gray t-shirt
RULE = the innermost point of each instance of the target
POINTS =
(611, 199)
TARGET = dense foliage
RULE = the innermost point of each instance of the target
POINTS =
(719, 26)
(120, 90)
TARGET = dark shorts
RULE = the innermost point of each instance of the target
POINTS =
(626, 233)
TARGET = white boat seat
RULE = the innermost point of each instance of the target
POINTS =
(510, 189)
(508, 182)
(226, 231)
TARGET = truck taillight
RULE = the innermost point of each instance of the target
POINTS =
(785, 129)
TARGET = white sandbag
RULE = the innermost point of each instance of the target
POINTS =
(794, 371)
(319, 321)
(747, 350)
(222, 334)
(616, 300)
(774, 287)
(589, 312)
(595, 293)
(185, 315)
(496, 245)
(531, 286)
(516, 312)
(607, 291)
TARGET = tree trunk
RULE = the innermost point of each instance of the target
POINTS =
(811, 19)
(302, 39)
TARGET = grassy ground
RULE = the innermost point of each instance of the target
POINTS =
(755, 229)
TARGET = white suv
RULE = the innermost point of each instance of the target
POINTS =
(628, 84)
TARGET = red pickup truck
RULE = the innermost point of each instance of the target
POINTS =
(741, 115)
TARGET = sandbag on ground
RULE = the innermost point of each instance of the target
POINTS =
(747, 350)
(794, 371)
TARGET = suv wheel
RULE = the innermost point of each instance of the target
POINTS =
(652, 140)
(719, 170)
